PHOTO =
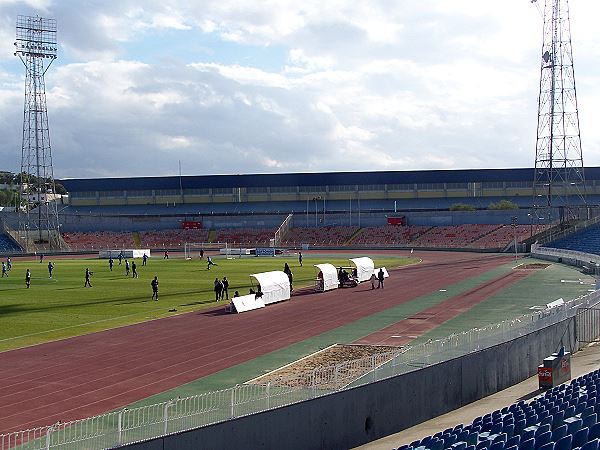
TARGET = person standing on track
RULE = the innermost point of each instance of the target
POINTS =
(154, 284)
(88, 274)
(218, 289)
(225, 291)
(380, 277)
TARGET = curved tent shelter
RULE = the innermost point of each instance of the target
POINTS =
(364, 268)
(275, 286)
(328, 277)
(247, 303)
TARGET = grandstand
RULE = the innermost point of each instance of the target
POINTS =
(563, 418)
(586, 240)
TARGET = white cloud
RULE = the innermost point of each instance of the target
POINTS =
(332, 85)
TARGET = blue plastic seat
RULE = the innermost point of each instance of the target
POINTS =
(542, 429)
(547, 446)
(436, 444)
(588, 411)
(497, 445)
(590, 445)
(519, 426)
(542, 439)
(527, 434)
(509, 430)
(557, 419)
(594, 432)
(559, 433)
(531, 419)
(483, 445)
(472, 438)
(581, 437)
(512, 441)
(547, 421)
(573, 425)
(564, 443)
(461, 445)
(590, 421)
(569, 411)
(462, 436)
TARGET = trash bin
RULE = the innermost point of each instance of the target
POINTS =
(555, 370)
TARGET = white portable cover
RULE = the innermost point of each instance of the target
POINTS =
(275, 286)
(364, 268)
(385, 272)
(330, 276)
(247, 303)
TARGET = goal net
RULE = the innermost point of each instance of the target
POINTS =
(194, 250)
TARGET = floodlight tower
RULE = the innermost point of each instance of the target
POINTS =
(559, 182)
(38, 214)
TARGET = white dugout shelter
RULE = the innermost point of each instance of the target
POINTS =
(364, 268)
(329, 277)
(275, 286)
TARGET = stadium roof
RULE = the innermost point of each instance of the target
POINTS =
(306, 179)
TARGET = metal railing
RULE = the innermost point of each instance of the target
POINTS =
(180, 414)
(582, 257)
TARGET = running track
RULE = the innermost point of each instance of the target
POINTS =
(99, 372)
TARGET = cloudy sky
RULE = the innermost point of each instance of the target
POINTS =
(232, 86)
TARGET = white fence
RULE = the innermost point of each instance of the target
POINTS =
(147, 422)
(580, 257)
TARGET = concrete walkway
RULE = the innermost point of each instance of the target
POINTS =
(582, 362)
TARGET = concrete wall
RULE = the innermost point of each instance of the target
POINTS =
(356, 416)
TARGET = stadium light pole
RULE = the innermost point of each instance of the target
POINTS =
(513, 224)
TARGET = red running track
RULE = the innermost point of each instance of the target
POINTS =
(88, 375)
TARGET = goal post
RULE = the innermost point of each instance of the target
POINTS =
(282, 231)
(193, 250)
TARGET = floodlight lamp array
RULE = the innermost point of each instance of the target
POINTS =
(36, 37)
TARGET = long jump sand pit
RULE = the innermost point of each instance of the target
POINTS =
(300, 373)
(532, 266)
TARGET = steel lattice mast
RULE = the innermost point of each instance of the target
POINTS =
(36, 46)
(559, 182)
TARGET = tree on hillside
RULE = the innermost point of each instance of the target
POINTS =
(503, 204)
(462, 207)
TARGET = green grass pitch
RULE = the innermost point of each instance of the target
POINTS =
(60, 307)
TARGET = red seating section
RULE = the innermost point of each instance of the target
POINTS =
(333, 235)
(477, 236)
(246, 236)
(98, 240)
(172, 238)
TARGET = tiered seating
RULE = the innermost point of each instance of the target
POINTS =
(564, 418)
(501, 237)
(330, 235)
(388, 235)
(246, 236)
(7, 244)
(587, 241)
(172, 238)
(458, 236)
(98, 240)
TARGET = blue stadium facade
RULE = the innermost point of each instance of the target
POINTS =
(300, 192)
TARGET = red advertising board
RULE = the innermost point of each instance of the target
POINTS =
(191, 225)
(398, 221)
(545, 376)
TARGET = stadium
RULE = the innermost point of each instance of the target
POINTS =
(413, 310)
